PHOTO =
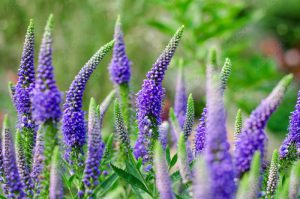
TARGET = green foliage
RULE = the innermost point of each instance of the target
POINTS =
(250, 183)
(129, 178)
(184, 168)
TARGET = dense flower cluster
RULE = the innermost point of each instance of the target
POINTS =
(216, 152)
(34, 167)
(119, 67)
(26, 81)
(46, 96)
(95, 149)
(149, 101)
(13, 184)
(200, 134)
(38, 160)
(253, 137)
(294, 131)
(73, 116)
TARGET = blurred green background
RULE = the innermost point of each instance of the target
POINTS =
(262, 39)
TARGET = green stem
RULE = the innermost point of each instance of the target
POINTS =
(124, 95)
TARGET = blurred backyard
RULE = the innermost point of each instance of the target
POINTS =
(261, 39)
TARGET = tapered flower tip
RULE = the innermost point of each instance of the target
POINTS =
(286, 80)
(212, 58)
(120, 126)
(273, 175)
(225, 72)
(30, 28)
(238, 123)
(92, 111)
(160, 66)
(281, 87)
(189, 120)
(118, 22)
(50, 23)
(106, 102)
(275, 156)
(5, 122)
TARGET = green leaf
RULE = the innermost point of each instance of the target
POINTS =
(2, 197)
(106, 185)
(175, 176)
(131, 179)
(173, 161)
(168, 156)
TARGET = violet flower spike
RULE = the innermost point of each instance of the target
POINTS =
(149, 102)
(199, 140)
(56, 185)
(293, 136)
(253, 137)
(13, 185)
(201, 180)
(23, 167)
(216, 153)
(273, 175)
(180, 99)
(38, 163)
(163, 181)
(73, 123)
(120, 65)
(121, 129)
(95, 150)
(26, 81)
(46, 96)
(189, 120)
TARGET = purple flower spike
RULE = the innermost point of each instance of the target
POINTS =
(38, 160)
(56, 185)
(13, 184)
(95, 149)
(26, 81)
(216, 153)
(149, 102)
(253, 137)
(119, 67)
(163, 181)
(180, 99)
(46, 96)
(73, 123)
(293, 136)
(200, 134)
